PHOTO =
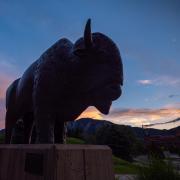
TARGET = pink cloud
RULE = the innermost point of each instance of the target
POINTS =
(138, 117)
(172, 105)
(5, 81)
(2, 113)
(8, 73)
(145, 82)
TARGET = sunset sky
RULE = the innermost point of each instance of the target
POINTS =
(146, 32)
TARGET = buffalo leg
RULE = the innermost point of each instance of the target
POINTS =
(33, 135)
(28, 124)
(44, 123)
(10, 122)
(60, 132)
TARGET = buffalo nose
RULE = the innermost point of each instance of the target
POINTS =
(115, 92)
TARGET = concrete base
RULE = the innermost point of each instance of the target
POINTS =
(55, 162)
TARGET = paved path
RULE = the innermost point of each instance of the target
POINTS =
(125, 177)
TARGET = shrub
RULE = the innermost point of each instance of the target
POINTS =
(119, 138)
(158, 169)
(2, 137)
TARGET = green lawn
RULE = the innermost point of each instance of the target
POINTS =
(123, 167)
(120, 166)
(71, 140)
(1, 138)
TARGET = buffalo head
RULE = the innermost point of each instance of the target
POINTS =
(101, 71)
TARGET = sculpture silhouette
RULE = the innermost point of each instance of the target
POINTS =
(62, 83)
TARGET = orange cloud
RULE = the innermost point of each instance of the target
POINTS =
(137, 117)
(134, 117)
(150, 112)
(91, 112)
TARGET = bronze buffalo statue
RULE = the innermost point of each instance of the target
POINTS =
(62, 83)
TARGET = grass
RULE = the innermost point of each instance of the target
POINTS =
(120, 166)
(124, 167)
(1, 138)
(158, 169)
(71, 140)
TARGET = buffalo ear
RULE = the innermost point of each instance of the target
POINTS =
(87, 35)
(88, 43)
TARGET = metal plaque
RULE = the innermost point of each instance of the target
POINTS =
(34, 163)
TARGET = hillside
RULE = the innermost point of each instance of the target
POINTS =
(90, 126)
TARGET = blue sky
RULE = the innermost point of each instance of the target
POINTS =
(146, 32)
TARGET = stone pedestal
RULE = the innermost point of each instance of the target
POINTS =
(55, 162)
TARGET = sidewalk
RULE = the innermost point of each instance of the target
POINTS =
(125, 177)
